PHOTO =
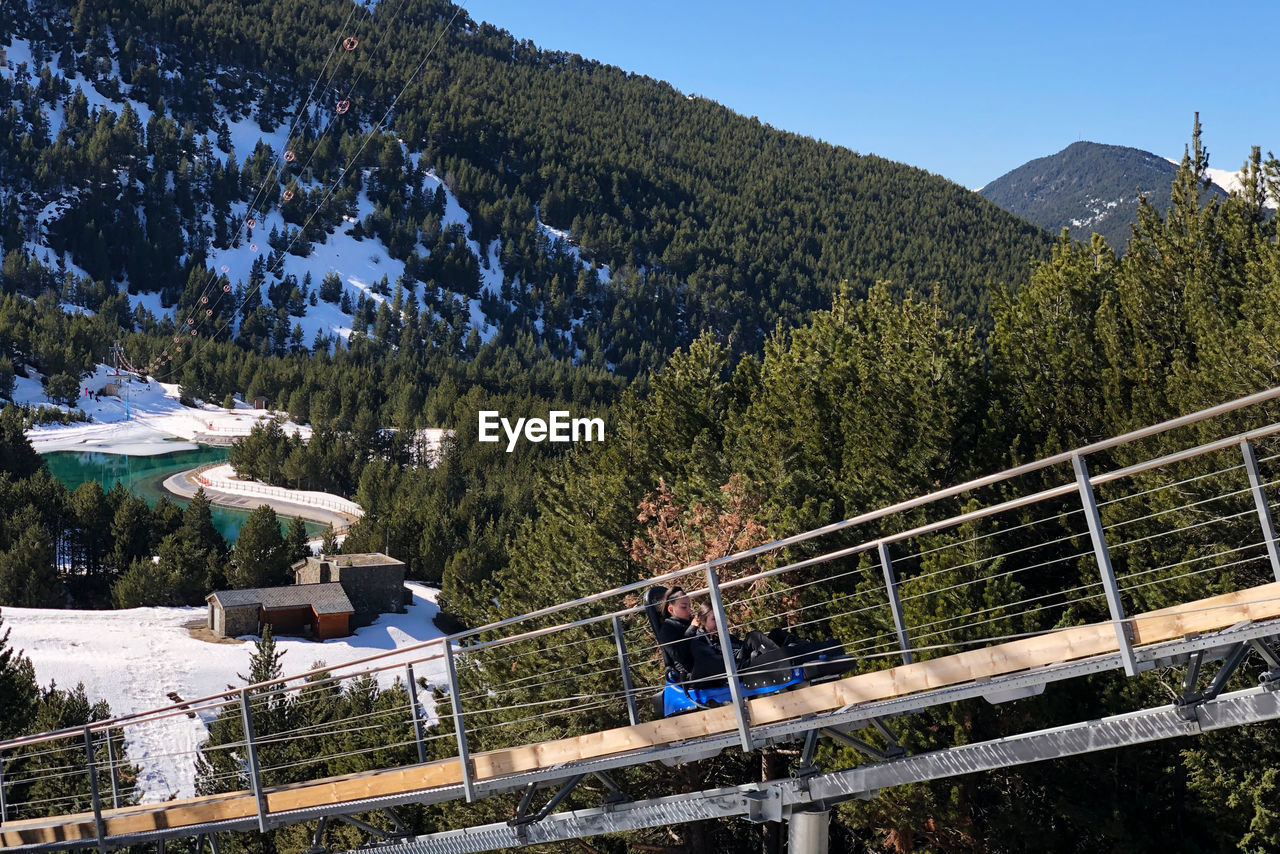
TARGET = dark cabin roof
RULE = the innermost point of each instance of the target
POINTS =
(328, 598)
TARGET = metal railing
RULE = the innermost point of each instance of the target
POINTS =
(918, 580)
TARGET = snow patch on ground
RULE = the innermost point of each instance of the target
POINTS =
(360, 264)
(1099, 211)
(143, 419)
(569, 247)
(20, 51)
(134, 658)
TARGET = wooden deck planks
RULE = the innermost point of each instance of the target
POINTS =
(1211, 614)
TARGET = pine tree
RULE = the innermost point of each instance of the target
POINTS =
(17, 457)
(28, 577)
(297, 546)
(18, 692)
(261, 556)
(329, 545)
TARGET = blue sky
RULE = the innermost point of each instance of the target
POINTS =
(966, 90)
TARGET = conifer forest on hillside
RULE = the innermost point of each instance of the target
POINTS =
(775, 330)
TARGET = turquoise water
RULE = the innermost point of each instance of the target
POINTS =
(145, 476)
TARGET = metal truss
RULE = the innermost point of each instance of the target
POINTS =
(778, 800)
(1226, 645)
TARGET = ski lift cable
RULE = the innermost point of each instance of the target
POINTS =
(331, 189)
(299, 117)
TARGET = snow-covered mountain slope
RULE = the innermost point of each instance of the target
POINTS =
(141, 418)
(253, 238)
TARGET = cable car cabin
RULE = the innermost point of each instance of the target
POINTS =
(788, 664)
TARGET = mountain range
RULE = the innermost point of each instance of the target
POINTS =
(220, 166)
(1089, 187)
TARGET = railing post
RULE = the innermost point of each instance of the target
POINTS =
(413, 709)
(895, 604)
(1103, 556)
(4, 803)
(111, 766)
(99, 827)
(730, 664)
(251, 754)
(459, 725)
(1264, 509)
(632, 714)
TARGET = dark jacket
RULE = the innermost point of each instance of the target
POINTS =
(675, 635)
(708, 660)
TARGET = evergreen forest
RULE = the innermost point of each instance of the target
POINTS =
(787, 334)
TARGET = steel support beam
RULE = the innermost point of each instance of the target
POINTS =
(862, 747)
(1264, 509)
(400, 829)
(100, 827)
(1103, 555)
(1228, 669)
(459, 724)
(788, 798)
(1269, 655)
(1192, 677)
(111, 767)
(730, 664)
(4, 804)
(317, 838)
(369, 829)
(895, 603)
(412, 684)
(633, 714)
(616, 795)
(251, 756)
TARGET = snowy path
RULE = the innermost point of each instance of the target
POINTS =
(319, 507)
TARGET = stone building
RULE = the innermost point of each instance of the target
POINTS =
(373, 582)
(334, 595)
(320, 611)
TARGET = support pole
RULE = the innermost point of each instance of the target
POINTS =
(459, 725)
(111, 765)
(251, 754)
(4, 803)
(1103, 556)
(807, 832)
(632, 713)
(100, 828)
(1229, 667)
(730, 664)
(1192, 677)
(318, 836)
(1264, 509)
(895, 604)
(413, 711)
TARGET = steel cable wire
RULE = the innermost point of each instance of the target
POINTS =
(330, 189)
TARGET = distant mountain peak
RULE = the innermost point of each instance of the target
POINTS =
(1087, 187)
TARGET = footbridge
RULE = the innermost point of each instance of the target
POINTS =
(1151, 550)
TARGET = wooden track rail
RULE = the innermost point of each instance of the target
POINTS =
(1205, 615)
